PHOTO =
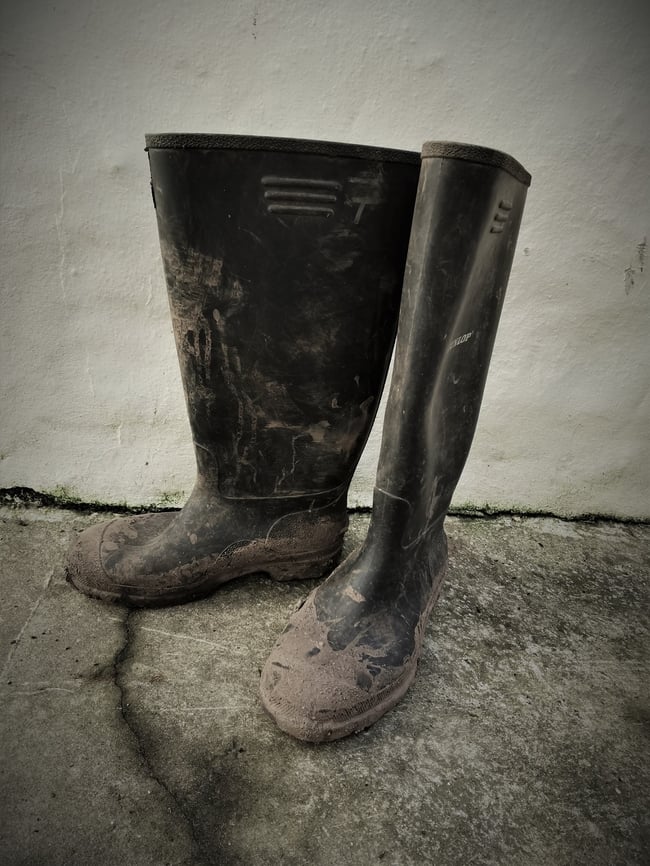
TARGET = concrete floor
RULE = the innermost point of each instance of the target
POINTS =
(137, 738)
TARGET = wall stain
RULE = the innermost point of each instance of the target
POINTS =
(632, 274)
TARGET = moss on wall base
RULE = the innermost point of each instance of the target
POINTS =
(62, 497)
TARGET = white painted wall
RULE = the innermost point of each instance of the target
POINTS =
(92, 399)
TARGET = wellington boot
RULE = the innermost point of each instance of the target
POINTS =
(284, 262)
(350, 652)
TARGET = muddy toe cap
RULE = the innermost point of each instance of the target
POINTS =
(84, 566)
(316, 693)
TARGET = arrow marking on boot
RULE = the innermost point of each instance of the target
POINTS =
(366, 191)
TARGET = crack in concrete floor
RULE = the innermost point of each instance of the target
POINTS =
(121, 657)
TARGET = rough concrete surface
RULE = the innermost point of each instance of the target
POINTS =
(138, 738)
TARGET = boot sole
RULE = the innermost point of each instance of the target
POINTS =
(304, 567)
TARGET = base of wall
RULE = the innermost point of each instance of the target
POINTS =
(21, 497)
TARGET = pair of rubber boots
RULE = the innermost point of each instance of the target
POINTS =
(288, 265)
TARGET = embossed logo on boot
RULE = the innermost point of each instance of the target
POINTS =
(300, 195)
(501, 217)
(464, 338)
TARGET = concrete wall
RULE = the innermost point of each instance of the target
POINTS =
(92, 400)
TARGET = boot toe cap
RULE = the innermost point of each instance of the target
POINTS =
(104, 561)
(317, 694)
(84, 569)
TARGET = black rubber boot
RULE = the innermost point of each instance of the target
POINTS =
(284, 262)
(350, 652)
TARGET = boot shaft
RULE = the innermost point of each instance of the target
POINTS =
(284, 261)
(465, 226)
